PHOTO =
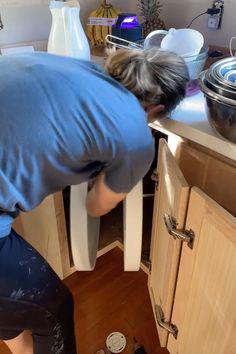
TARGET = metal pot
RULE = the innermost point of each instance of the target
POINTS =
(218, 87)
(223, 72)
(221, 110)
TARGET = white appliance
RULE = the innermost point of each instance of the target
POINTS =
(84, 230)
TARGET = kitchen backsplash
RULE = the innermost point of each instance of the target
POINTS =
(30, 20)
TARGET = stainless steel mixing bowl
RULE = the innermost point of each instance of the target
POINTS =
(221, 111)
(223, 72)
(217, 87)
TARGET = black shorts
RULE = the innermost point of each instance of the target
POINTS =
(32, 297)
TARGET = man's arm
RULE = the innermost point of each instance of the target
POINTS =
(101, 199)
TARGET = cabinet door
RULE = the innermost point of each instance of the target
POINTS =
(171, 198)
(44, 228)
(204, 307)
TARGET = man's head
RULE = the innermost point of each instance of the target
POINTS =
(157, 78)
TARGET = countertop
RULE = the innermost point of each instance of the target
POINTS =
(189, 120)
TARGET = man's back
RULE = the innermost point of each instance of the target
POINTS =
(63, 121)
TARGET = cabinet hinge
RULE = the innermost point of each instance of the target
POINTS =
(183, 235)
(149, 265)
(160, 317)
(155, 178)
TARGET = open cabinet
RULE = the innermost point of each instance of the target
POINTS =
(51, 230)
(45, 229)
(192, 281)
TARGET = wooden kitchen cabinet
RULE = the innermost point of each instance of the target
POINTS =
(44, 228)
(192, 283)
(172, 198)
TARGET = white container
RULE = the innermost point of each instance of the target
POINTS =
(67, 36)
(184, 42)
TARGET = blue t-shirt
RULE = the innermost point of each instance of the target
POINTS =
(62, 121)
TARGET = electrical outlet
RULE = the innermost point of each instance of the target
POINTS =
(215, 21)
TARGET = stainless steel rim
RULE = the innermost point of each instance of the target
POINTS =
(212, 94)
(221, 65)
(219, 89)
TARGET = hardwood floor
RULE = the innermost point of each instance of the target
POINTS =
(109, 300)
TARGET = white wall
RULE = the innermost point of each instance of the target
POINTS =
(179, 13)
(24, 20)
(30, 20)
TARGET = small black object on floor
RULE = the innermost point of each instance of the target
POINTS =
(138, 348)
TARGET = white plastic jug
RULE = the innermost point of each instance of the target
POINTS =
(67, 36)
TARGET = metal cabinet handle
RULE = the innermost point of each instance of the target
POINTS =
(172, 329)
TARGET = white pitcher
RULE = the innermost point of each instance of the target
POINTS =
(67, 36)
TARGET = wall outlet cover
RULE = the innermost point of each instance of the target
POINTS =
(213, 22)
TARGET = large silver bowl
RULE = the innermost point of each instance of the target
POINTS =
(223, 90)
(221, 110)
(223, 72)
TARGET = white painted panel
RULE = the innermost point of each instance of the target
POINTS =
(24, 20)
(133, 225)
(84, 230)
(9, 3)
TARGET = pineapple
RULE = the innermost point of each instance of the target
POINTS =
(150, 11)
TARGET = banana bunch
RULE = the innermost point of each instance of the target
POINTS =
(100, 22)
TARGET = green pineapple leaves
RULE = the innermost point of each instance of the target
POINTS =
(149, 9)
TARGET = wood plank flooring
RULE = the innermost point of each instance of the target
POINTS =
(109, 300)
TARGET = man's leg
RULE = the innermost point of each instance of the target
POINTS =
(32, 297)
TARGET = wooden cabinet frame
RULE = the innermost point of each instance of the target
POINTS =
(179, 290)
(44, 228)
